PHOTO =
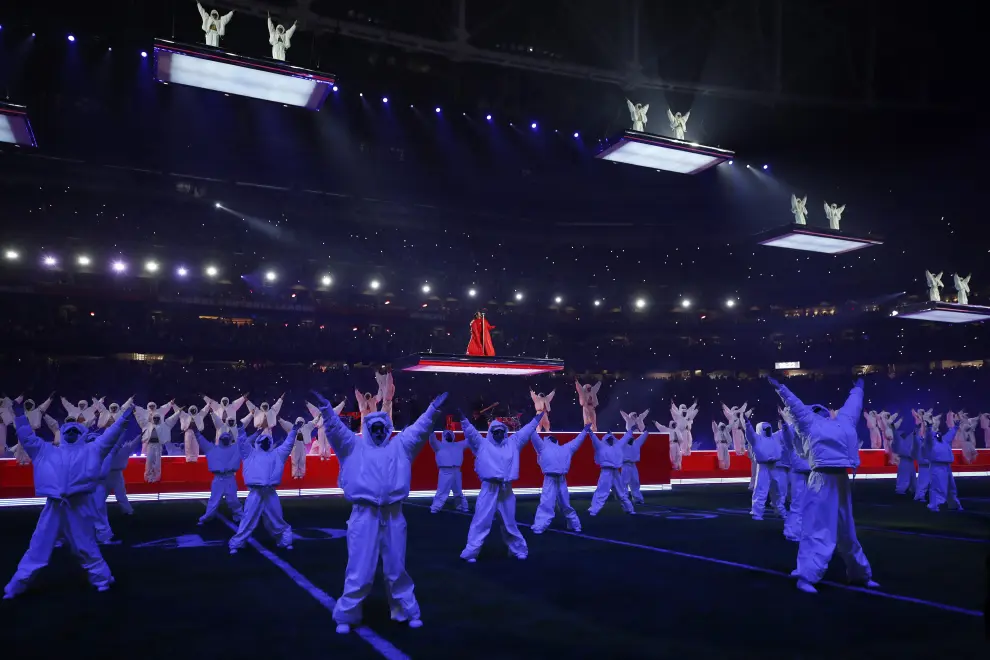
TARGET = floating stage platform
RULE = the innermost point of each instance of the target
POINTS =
(476, 364)
(662, 153)
(219, 71)
(15, 127)
(942, 312)
(816, 239)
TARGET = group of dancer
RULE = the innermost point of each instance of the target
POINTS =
(808, 456)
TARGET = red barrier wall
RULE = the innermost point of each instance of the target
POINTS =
(704, 464)
(179, 476)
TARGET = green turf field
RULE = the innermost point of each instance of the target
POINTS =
(690, 576)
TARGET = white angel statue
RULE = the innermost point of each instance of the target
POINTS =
(678, 123)
(934, 284)
(799, 207)
(638, 115)
(834, 214)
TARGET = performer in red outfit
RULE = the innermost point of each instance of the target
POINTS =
(481, 338)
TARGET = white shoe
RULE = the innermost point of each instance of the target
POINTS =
(806, 586)
(870, 584)
(199, 523)
(537, 530)
(103, 587)
(415, 623)
(471, 560)
(343, 628)
(434, 510)
(233, 551)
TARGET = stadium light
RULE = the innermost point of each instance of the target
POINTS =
(426, 288)
(519, 296)
(211, 271)
(326, 280)
(119, 266)
(50, 261)
(640, 303)
(472, 293)
(270, 276)
(598, 303)
(558, 300)
(375, 284)
(730, 303)
(151, 267)
(685, 303)
(83, 260)
(181, 271)
(11, 255)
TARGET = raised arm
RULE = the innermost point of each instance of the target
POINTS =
(576, 443)
(415, 435)
(851, 409)
(580, 393)
(471, 434)
(284, 449)
(278, 405)
(271, 28)
(291, 31)
(313, 410)
(109, 437)
(226, 18)
(285, 424)
(638, 442)
(206, 445)
(171, 420)
(202, 12)
(624, 440)
(338, 435)
(524, 434)
(537, 442)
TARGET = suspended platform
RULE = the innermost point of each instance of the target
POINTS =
(662, 153)
(473, 364)
(816, 239)
(219, 71)
(942, 312)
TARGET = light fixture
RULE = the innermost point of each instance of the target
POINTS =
(11, 255)
(598, 303)
(211, 271)
(766, 166)
(730, 162)
(472, 293)
(144, 53)
(83, 260)
(519, 296)
(50, 261)
(685, 303)
(558, 300)
(71, 38)
(436, 110)
(335, 88)
(576, 134)
(181, 271)
(533, 125)
(426, 288)
(327, 280)
(361, 94)
(640, 303)
(270, 276)
(384, 99)
(730, 303)
(375, 284)
(151, 267)
(119, 266)
(218, 205)
(488, 117)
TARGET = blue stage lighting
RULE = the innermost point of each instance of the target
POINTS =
(436, 110)
(488, 117)
(384, 99)
(335, 88)
(71, 38)
(766, 166)
(144, 53)
(576, 135)
(533, 125)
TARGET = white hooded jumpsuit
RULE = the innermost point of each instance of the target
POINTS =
(497, 466)
(907, 478)
(301, 440)
(280, 39)
(66, 477)
(943, 483)
(588, 398)
(223, 459)
(191, 425)
(214, 25)
(630, 468)
(798, 482)
(827, 524)
(114, 481)
(608, 456)
(766, 452)
(224, 413)
(156, 432)
(555, 461)
(922, 453)
(450, 458)
(375, 480)
(263, 470)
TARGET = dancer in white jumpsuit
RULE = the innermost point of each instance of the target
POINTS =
(942, 489)
(280, 39)
(798, 477)
(263, 467)
(114, 481)
(66, 477)
(104, 533)
(375, 475)
(214, 25)
(766, 452)
(630, 467)
(302, 439)
(555, 461)
(827, 524)
(450, 458)
(223, 459)
(496, 461)
(608, 456)
(907, 478)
